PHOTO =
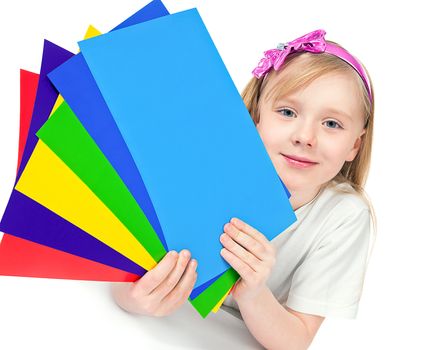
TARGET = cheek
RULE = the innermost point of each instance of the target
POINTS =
(336, 150)
(272, 133)
(272, 139)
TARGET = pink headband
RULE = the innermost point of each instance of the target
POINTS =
(312, 42)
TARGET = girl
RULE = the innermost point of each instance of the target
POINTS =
(312, 103)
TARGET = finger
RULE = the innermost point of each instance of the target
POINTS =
(244, 270)
(252, 245)
(182, 290)
(174, 276)
(251, 231)
(239, 251)
(153, 278)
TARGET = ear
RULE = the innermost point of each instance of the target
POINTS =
(354, 151)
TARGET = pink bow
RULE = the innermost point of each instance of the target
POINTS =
(311, 42)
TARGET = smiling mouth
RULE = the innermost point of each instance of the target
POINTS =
(298, 162)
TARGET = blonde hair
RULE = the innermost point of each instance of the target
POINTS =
(300, 70)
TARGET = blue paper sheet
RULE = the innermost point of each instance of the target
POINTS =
(191, 137)
(76, 85)
(75, 82)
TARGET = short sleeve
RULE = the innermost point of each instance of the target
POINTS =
(329, 281)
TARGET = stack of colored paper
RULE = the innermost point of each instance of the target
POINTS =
(148, 148)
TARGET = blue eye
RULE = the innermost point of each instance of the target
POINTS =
(288, 113)
(333, 124)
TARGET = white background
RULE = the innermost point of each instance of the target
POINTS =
(387, 37)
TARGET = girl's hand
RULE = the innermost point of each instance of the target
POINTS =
(162, 290)
(250, 254)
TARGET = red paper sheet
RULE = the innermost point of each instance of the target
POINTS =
(19, 257)
(29, 82)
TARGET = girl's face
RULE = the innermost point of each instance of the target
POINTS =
(309, 134)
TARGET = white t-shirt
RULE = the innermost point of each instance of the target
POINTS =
(322, 258)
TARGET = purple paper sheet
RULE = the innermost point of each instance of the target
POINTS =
(27, 219)
(32, 221)
(53, 56)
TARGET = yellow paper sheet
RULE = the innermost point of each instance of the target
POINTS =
(91, 32)
(48, 181)
(58, 102)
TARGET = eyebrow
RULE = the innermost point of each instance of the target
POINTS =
(285, 99)
(339, 112)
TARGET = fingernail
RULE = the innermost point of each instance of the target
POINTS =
(173, 253)
(185, 253)
(194, 263)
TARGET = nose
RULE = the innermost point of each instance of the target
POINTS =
(304, 135)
